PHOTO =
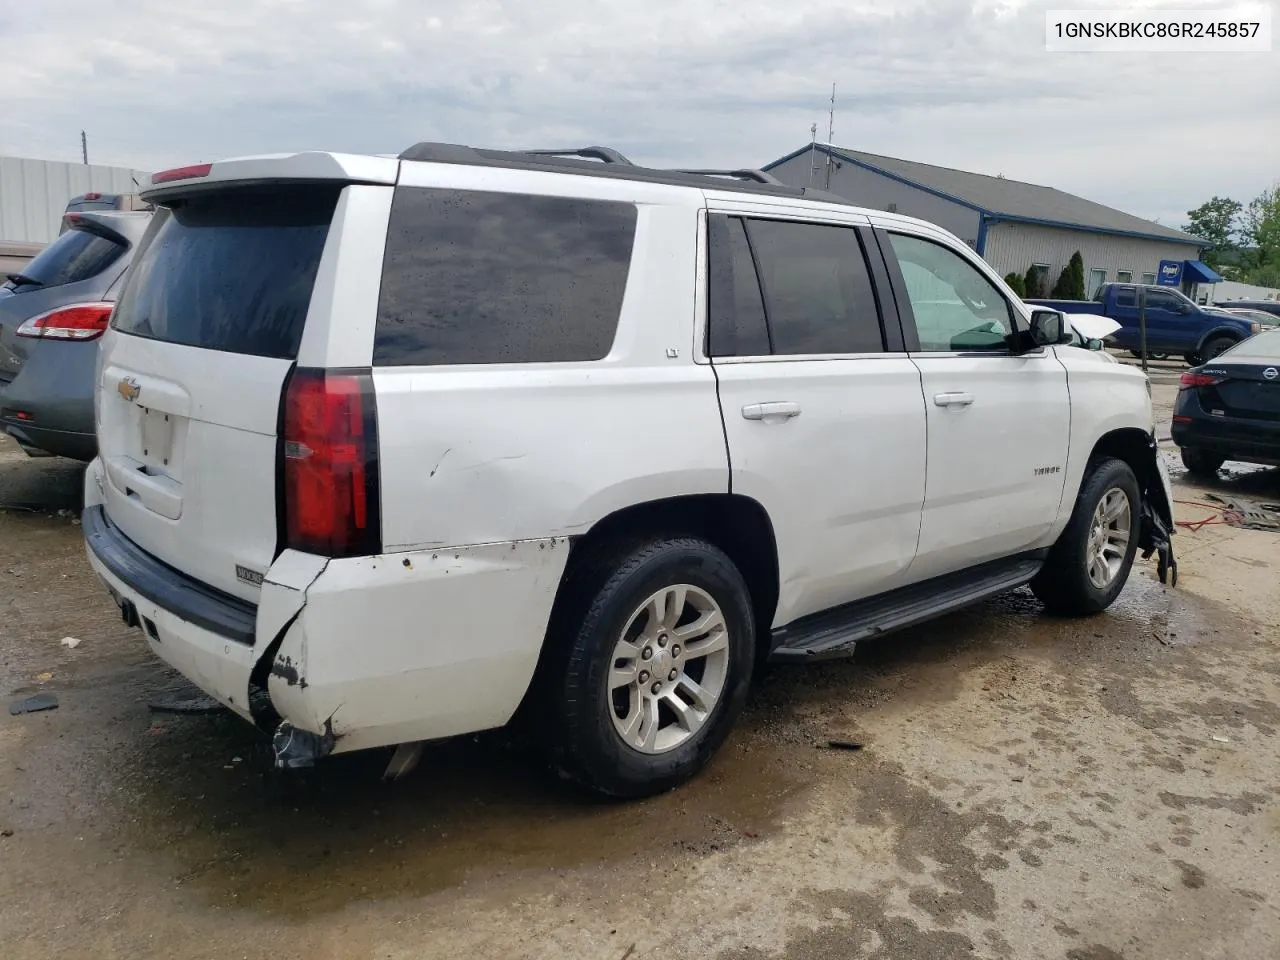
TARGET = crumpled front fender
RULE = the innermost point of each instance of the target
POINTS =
(1157, 527)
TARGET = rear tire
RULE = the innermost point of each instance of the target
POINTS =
(1088, 566)
(1215, 348)
(1201, 463)
(1191, 359)
(670, 607)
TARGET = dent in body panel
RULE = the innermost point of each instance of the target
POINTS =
(512, 454)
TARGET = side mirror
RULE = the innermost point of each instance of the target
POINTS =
(1048, 327)
(1094, 344)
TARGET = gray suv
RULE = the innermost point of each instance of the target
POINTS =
(52, 314)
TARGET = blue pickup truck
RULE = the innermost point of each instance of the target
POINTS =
(1175, 324)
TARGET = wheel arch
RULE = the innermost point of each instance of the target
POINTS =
(1229, 332)
(736, 524)
(1139, 450)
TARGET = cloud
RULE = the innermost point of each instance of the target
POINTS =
(727, 82)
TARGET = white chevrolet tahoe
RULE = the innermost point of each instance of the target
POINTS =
(395, 449)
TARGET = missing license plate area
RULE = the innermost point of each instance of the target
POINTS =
(156, 431)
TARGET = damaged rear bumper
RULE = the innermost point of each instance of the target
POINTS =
(357, 652)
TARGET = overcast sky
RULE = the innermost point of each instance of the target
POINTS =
(962, 83)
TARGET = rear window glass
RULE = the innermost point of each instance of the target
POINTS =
(230, 271)
(477, 277)
(76, 255)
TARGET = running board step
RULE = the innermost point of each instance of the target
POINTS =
(834, 633)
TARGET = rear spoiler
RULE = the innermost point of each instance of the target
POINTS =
(100, 226)
(272, 168)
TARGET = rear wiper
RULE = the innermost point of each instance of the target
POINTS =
(21, 279)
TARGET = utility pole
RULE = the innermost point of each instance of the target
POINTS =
(831, 132)
(813, 152)
(84, 148)
(1142, 325)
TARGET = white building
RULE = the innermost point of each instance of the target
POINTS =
(34, 194)
(1013, 225)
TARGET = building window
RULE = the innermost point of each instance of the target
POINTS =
(1148, 278)
(1096, 279)
(1124, 276)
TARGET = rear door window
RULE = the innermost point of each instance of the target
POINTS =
(818, 296)
(735, 310)
(479, 277)
(230, 270)
(76, 255)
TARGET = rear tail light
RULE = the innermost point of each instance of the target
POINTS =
(79, 321)
(1189, 381)
(182, 173)
(330, 463)
(92, 196)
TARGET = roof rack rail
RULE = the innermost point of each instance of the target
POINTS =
(759, 176)
(604, 154)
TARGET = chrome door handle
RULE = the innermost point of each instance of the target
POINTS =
(779, 410)
(953, 399)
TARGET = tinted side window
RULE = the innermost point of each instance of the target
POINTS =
(1126, 297)
(817, 291)
(735, 310)
(229, 270)
(76, 255)
(476, 277)
(955, 306)
(1158, 300)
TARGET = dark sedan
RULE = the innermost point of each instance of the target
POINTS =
(51, 316)
(1229, 408)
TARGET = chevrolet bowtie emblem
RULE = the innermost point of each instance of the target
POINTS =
(129, 389)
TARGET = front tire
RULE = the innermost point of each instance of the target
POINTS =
(655, 668)
(1088, 566)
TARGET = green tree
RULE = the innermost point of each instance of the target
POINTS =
(1015, 284)
(1032, 285)
(1070, 285)
(1260, 233)
(1216, 221)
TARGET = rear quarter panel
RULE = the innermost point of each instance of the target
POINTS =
(474, 454)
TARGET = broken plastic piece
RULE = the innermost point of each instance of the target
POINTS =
(41, 701)
(70, 642)
(297, 749)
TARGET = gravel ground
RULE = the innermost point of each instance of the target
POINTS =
(1028, 787)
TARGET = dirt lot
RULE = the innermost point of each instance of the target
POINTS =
(1028, 788)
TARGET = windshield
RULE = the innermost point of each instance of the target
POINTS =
(74, 256)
